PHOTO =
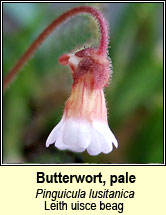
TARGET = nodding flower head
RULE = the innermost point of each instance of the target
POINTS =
(84, 123)
(88, 61)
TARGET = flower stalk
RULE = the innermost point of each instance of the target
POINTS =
(52, 27)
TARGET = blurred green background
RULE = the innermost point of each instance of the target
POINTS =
(34, 102)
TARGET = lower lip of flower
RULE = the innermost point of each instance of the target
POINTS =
(77, 135)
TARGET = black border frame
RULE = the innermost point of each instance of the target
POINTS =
(155, 164)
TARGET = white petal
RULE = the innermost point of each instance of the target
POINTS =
(76, 135)
(74, 59)
(96, 144)
(55, 133)
(59, 143)
(103, 129)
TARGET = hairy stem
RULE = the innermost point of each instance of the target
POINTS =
(102, 49)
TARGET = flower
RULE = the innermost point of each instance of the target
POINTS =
(84, 122)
